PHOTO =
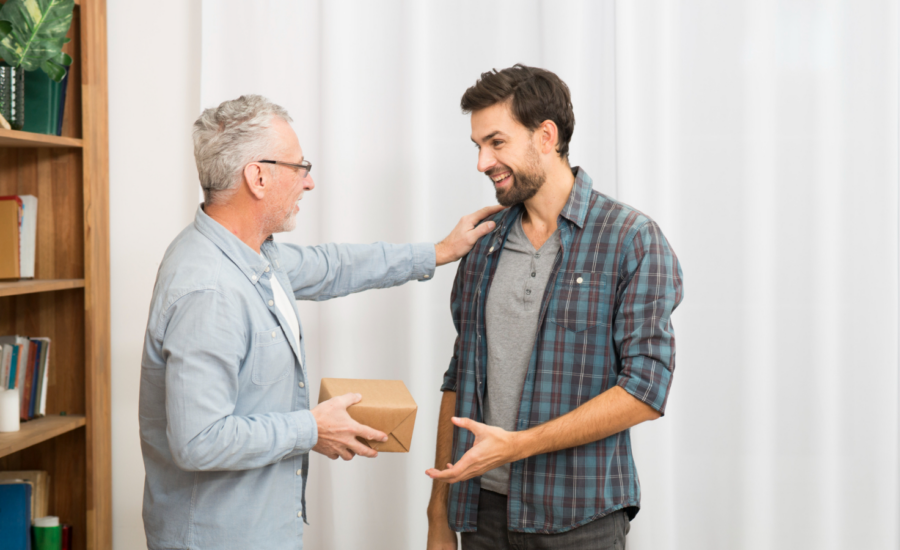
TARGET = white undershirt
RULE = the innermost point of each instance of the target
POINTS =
(283, 303)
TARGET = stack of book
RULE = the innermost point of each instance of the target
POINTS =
(18, 234)
(23, 366)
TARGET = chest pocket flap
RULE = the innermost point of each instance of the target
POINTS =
(273, 357)
(581, 301)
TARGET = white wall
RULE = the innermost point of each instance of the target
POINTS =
(154, 94)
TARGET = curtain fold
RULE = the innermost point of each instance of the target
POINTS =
(761, 135)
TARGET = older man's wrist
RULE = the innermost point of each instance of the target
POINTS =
(442, 254)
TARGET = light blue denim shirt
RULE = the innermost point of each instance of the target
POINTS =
(225, 419)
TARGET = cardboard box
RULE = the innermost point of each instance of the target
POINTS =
(386, 406)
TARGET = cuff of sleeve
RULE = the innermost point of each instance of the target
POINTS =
(424, 261)
(307, 431)
(449, 383)
(647, 380)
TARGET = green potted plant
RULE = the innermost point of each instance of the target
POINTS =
(32, 34)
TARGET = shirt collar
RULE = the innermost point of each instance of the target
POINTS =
(245, 258)
(575, 210)
(576, 207)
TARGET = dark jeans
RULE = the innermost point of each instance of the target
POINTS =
(606, 533)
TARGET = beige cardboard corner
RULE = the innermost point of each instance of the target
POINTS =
(386, 406)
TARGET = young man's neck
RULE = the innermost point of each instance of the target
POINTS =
(542, 210)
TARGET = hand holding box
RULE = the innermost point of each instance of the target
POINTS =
(386, 406)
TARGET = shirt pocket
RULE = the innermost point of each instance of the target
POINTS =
(581, 301)
(273, 357)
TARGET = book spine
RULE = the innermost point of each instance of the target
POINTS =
(32, 401)
(13, 368)
(29, 374)
(4, 366)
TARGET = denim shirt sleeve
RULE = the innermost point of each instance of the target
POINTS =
(204, 342)
(333, 270)
(643, 335)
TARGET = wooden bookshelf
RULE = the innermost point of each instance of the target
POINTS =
(16, 288)
(17, 138)
(37, 431)
(68, 300)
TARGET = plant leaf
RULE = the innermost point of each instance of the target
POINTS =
(54, 70)
(32, 34)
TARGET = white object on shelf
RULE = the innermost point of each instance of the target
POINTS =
(9, 410)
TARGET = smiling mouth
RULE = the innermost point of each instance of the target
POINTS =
(501, 179)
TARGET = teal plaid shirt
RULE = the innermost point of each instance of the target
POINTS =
(604, 322)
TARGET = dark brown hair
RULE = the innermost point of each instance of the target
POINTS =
(535, 95)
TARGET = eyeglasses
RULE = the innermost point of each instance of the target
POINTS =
(304, 167)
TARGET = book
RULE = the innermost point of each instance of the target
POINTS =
(5, 357)
(17, 379)
(13, 367)
(10, 220)
(40, 481)
(25, 393)
(18, 236)
(28, 236)
(15, 516)
(32, 400)
(43, 381)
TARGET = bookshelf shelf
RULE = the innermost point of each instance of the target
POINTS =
(31, 286)
(18, 138)
(37, 431)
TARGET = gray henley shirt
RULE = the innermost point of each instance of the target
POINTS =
(511, 316)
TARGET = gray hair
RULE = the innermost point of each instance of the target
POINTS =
(229, 136)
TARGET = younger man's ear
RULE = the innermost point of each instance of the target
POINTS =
(549, 135)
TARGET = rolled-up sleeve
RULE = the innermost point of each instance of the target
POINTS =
(644, 336)
(333, 270)
(203, 348)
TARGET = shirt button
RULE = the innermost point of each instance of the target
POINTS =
(302, 385)
(299, 472)
(426, 276)
(579, 280)
(533, 273)
(271, 303)
(490, 250)
(253, 278)
(299, 514)
(528, 291)
(267, 269)
(274, 334)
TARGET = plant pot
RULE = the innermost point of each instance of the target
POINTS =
(12, 95)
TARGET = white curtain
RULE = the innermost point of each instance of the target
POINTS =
(761, 134)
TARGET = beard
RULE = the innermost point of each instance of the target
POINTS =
(279, 222)
(525, 183)
(289, 222)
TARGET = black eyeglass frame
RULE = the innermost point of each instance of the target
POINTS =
(305, 165)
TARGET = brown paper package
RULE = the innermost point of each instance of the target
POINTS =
(386, 406)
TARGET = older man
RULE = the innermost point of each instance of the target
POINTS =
(226, 425)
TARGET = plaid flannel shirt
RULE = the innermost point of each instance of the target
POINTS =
(604, 321)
